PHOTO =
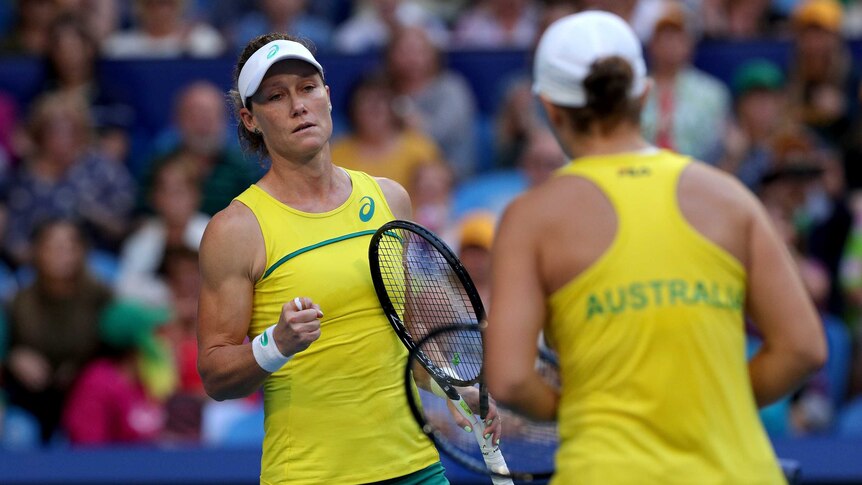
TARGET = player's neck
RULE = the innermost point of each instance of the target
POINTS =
(624, 139)
(313, 187)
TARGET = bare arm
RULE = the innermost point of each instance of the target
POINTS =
(794, 345)
(231, 259)
(517, 316)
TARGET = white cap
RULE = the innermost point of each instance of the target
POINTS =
(255, 67)
(570, 46)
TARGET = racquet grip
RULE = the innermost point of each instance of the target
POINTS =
(495, 462)
(490, 452)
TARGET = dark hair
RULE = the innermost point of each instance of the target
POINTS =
(405, 30)
(76, 24)
(172, 255)
(250, 141)
(375, 81)
(42, 228)
(607, 88)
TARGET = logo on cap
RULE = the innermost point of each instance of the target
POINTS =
(272, 51)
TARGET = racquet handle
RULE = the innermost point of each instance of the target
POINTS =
(495, 462)
(490, 452)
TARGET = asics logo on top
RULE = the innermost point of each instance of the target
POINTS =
(366, 211)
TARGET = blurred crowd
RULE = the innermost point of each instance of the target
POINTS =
(98, 250)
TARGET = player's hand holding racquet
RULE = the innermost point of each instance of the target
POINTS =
(471, 396)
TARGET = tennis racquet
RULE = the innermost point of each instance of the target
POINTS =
(529, 445)
(422, 286)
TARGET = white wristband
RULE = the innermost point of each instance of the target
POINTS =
(266, 352)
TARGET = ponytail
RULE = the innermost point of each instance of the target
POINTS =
(607, 88)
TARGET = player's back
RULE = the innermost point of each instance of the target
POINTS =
(643, 254)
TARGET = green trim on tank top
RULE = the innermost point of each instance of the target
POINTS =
(313, 246)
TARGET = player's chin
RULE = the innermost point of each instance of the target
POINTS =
(308, 145)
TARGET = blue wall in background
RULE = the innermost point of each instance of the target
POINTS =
(152, 85)
(834, 461)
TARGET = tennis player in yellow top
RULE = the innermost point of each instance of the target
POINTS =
(640, 265)
(286, 265)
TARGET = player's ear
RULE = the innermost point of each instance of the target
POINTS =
(555, 115)
(247, 119)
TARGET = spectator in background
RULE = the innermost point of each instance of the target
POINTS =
(9, 279)
(805, 183)
(109, 403)
(432, 99)
(374, 22)
(102, 17)
(182, 275)
(18, 428)
(201, 119)
(162, 30)
(738, 19)
(71, 68)
(446, 10)
(519, 112)
(184, 408)
(625, 9)
(475, 238)
(176, 223)
(29, 35)
(761, 112)
(687, 110)
(497, 24)
(221, 14)
(430, 192)
(290, 16)
(851, 270)
(8, 127)
(379, 143)
(823, 83)
(53, 324)
(63, 176)
(794, 171)
(493, 192)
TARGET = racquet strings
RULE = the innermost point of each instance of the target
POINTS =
(428, 294)
(528, 445)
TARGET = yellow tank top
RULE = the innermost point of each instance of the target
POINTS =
(652, 345)
(337, 412)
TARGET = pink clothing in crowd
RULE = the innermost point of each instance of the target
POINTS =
(106, 406)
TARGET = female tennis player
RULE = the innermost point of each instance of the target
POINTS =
(640, 265)
(286, 264)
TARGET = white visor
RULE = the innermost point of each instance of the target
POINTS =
(258, 64)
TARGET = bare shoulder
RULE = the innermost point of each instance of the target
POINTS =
(557, 199)
(233, 241)
(397, 197)
(700, 180)
(719, 207)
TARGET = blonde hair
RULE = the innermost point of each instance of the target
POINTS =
(53, 105)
